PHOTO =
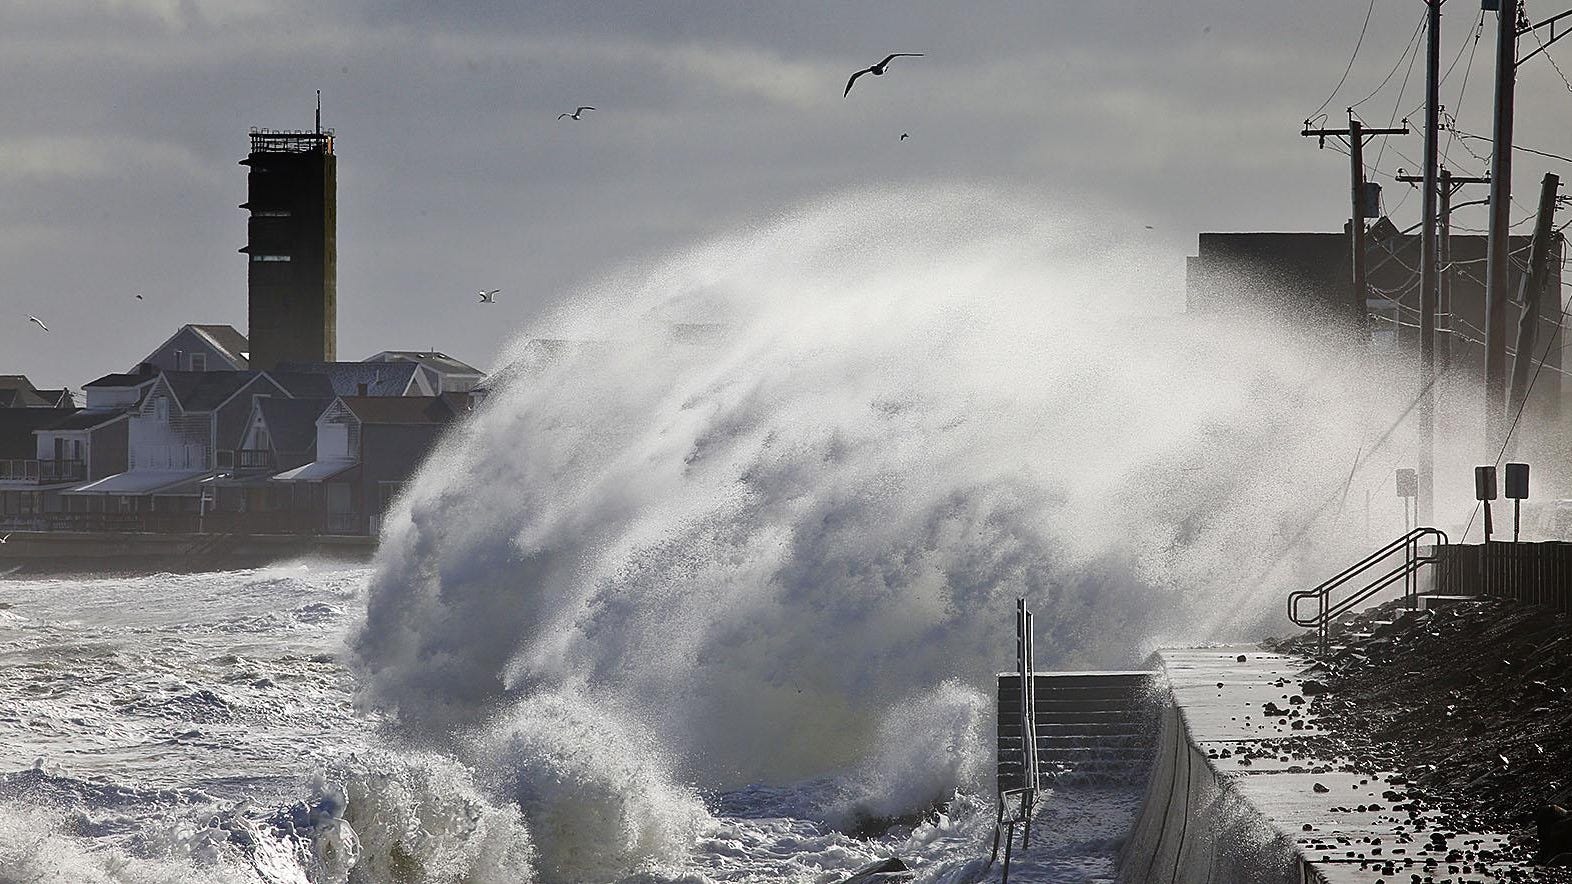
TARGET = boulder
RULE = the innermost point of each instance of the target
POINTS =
(885, 871)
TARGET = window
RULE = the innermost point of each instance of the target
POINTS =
(270, 213)
(161, 409)
(199, 362)
(259, 259)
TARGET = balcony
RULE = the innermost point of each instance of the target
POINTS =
(62, 470)
(18, 471)
(253, 459)
(42, 472)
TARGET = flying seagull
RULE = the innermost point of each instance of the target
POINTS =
(904, 136)
(575, 114)
(139, 296)
(5, 538)
(488, 297)
(878, 69)
(39, 322)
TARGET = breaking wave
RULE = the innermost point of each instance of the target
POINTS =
(758, 513)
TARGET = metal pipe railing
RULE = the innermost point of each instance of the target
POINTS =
(1326, 611)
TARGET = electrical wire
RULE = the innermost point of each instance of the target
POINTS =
(1344, 79)
(1412, 43)
(1507, 440)
(1479, 30)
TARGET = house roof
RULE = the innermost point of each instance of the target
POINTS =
(229, 340)
(225, 339)
(206, 390)
(292, 423)
(380, 378)
(304, 385)
(16, 391)
(146, 482)
(441, 362)
(399, 409)
(89, 418)
(17, 426)
(124, 379)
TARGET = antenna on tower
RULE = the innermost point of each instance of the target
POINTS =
(319, 111)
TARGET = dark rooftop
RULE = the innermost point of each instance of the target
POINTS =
(400, 409)
(206, 390)
(380, 378)
(292, 423)
(88, 418)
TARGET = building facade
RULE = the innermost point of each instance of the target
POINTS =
(292, 248)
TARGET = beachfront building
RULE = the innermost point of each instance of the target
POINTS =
(366, 449)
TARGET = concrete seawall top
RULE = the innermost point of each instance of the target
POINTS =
(1247, 787)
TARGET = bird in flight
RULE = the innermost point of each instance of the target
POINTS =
(904, 136)
(878, 69)
(575, 114)
(139, 296)
(5, 538)
(488, 297)
(36, 321)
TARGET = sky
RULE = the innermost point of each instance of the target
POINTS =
(122, 123)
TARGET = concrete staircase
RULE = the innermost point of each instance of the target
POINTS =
(1091, 726)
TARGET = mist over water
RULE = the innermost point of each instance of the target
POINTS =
(757, 503)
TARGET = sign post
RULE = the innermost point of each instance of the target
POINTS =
(1485, 491)
(1517, 492)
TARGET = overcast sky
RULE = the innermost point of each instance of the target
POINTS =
(124, 120)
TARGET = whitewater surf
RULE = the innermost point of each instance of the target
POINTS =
(715, 584)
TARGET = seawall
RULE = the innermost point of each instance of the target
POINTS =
(1247, 789)
(69, 552)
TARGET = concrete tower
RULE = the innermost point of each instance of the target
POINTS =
(292, 243)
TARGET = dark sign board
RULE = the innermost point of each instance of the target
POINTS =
(1517, 481)
(1407, 483)
(1485, 483)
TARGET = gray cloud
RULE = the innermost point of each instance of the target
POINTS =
(125, 120)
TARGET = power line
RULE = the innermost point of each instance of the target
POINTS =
(1357, 43)
(1507, 440)
(1412, 43)
(1479, 30)
(1472, 137)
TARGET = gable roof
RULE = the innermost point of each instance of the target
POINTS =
(16, 391)
(380, 378)
(228, 340)
(206, 390)
(225, 339)
(292, 423)
(415, 410)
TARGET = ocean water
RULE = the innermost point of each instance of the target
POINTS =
(203, 727)
(718, 576)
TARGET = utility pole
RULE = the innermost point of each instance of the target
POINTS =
(1533, 289)
(1354, 136)
(1424, 504)
(1498, 266)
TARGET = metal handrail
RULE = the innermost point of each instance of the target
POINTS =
(1326, 611)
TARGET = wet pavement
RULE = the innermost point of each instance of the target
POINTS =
(1250, 714)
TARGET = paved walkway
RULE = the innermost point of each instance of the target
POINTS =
(1246, 713)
